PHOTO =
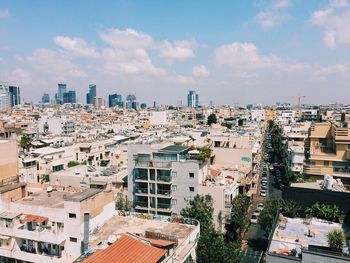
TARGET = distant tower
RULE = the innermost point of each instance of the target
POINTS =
(192, 99)
(91, 94)
(62, 88)
(15, 95)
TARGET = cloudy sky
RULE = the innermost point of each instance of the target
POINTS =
(251, 51)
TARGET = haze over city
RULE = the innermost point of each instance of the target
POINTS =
(228, 51)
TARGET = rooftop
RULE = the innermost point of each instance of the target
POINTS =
(119, 224)
(174, 149)
(127, 249)
(297, 233)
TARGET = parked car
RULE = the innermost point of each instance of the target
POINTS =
(260, 206)
(254, 219)
(256, 212)
(263, 193)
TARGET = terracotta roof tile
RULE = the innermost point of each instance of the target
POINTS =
(127, 250)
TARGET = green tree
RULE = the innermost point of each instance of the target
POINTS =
(290, 208)
(122, 202)
(211, 244)
(211, 119)
(336, 239)
(26, 142)
(239, 219)
(44, 178)
(72, 164)
(268, 215)
(322, 211)
(104, 163)
(200, 207)
(240, 122)
(342, 119)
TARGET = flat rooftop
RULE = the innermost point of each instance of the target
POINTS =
(307, 232)
(174, 149)
(54, 200)
(121, 224)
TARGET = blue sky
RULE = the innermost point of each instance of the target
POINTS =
(257, 51)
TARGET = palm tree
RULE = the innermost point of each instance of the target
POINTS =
(26, 142)
(290, 208)
(336, 239)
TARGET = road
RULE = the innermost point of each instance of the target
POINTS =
(257, 241)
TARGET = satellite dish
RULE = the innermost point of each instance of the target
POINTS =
(112, 239)
(49, 189)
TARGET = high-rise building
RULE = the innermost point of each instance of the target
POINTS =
(5, 102)
(45, 98)
(62, 88)
(69, 97)
(115, 100)
(99, 102)
(192, 99)
(91, 94)
(15, 95)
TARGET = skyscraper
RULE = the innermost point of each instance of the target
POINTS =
(15, 95)
(4, 96)
(62, 88)
(45, 98)
(91, 94)
(115, 100)
(69, 97)
(192, 99)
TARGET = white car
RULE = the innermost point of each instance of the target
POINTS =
(260, 206)
(263, 193)
(256, 212)
(254, 219)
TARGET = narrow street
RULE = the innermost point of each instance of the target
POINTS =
(257, 241)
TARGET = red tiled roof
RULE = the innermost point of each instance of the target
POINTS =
(127, 250)
(38, 219)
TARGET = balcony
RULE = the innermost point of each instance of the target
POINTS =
(164, 179)
(165, 193)
(141, 205)
(141, 191)
(162, 163)
(164, 207)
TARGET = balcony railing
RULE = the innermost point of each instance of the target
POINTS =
(141, 190)
(164, 192)
(141, 177)
(163, 206)
(166, 179)
(141, 204)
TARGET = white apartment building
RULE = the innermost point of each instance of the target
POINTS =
(49, 226)
(295, 158)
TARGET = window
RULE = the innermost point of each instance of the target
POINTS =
(73, 239)
(326, 163)
(174, 187)
(173, 201)
(72, 215)
(173, 174)
(191, 175)
(191, 189)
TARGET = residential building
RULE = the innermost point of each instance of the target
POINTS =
(15, 95)
(8, 161)
(49, 225)
(305, 241)
(90, 96)
(192, 99)
(328, 150)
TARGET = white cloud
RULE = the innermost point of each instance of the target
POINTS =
(126, 39)
(270, 19)
(55, 63)
(279, 4)
(200, 71)
(245, 60)
(4, 13)
(335, 21)
(180, 50)
(76, 46)
(244, 56)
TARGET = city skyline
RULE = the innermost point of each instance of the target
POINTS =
(245, 52)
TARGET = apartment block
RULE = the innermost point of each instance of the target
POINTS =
(328, 151)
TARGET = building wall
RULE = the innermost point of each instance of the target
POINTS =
(8, 159)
